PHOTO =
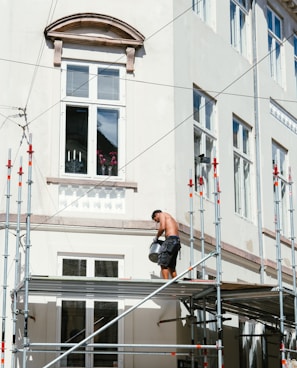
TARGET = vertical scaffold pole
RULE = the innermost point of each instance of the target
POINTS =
(191, 260)
(17, 267)
(202, 243)
(218, 263)
(191, 223)
(201, 210)
(27, 254)
(9, 166)
(292, 238)
(279, 263)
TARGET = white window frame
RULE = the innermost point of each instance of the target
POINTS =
(92, 103)
(280, 158)
(202, 9)
(242, 182)
(90, 258)
(90, 301)
(274, 46)
(205, 129)
(89, 322)
(238, 29)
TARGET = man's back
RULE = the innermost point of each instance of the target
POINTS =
(170, 225)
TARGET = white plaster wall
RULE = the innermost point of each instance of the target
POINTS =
(158, 136)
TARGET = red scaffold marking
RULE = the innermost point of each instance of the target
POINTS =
(173, 353)
(191, 195)
(21, 171)
(30, 150)
(201, 194)
(190, 183)
(2, 346)
(8, 177)
(275, 171)
(205, 364)
(9, 164)
(30, 163)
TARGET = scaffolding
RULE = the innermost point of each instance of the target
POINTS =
(258, 302)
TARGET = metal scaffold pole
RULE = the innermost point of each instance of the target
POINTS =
(17, 267)
(292, 238)
(202, 243)
(191, 223)
(218, 262)
(5, 260)
(27, 253)
(202, 238)
(191, 261)
(279, 264)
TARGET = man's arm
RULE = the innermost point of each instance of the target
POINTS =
(162, 225)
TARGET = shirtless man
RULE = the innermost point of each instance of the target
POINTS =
(170, 247)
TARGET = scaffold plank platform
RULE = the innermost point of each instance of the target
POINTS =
(254, 301)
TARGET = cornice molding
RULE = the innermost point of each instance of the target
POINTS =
(95, 30)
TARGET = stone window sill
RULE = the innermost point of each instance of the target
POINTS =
(92, 182)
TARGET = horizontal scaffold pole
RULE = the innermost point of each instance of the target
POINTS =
(142, 346)
(60, 357)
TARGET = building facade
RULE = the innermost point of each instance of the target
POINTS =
(112, 110)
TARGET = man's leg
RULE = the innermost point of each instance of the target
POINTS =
(173, 273)
(165, 272)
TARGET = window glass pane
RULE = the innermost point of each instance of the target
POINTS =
(76, 139)
(282, 159)
(108, 84)
(246, 184)
(208, 114)
(74, 267)
(277, 29)
(107, 141)
(105, 312)
(237, 184)
(106, 268)
(269, 19)
(242, 31)
(245, 140)
(274, 155)
(235, 134)
(77, 81)
(73, 330)
(233, 23)
(197, 103)
(197, 142)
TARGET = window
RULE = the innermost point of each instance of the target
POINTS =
(201, 7)
(80, 318)
(242, 168)
(274, 44)
(279, 158)
(238, 14)
(203, 114)
(94, 110)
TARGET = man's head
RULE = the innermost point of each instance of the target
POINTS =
(155, 215)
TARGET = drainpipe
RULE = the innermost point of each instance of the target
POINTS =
(257, 141)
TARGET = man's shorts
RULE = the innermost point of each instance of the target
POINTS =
(168, 252)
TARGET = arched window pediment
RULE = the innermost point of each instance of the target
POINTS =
(94, 29)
